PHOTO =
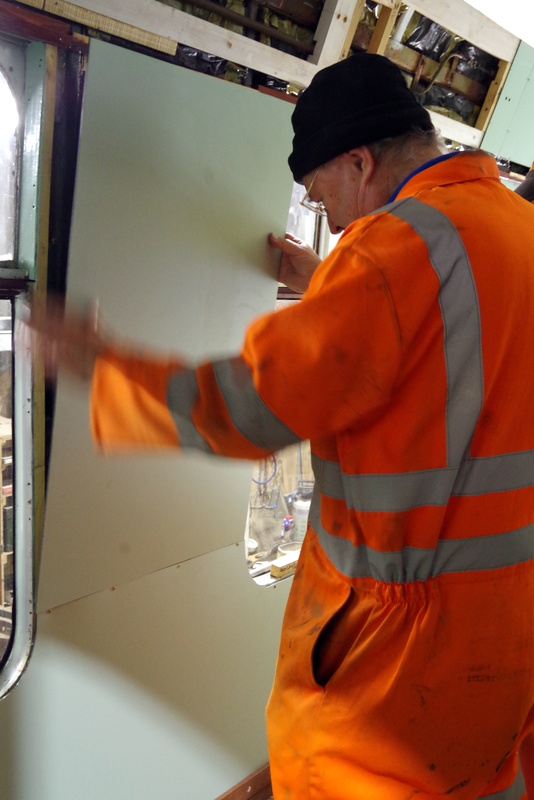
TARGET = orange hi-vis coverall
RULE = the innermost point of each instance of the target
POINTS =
(406, 664)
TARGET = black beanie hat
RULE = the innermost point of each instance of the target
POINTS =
(354, 102)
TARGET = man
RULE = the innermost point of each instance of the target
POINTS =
(406, 663)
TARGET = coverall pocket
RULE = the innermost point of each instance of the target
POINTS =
(335, 641)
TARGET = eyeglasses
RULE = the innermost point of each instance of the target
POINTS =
(307, 202)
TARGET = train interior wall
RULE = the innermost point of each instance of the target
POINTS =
(155, 650)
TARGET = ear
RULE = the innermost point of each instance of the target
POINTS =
(362, 160)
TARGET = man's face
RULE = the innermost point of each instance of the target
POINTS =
(346, 189)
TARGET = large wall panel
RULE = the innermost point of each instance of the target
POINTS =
(180, 178)
(155, 649)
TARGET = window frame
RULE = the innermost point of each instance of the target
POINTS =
(15, 281)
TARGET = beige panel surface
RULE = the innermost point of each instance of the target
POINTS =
(180, 177)
(154, 690)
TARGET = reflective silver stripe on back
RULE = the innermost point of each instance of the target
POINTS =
(433, 487)
(460, 476)
(461, 320)
(495, 474)
(381, 492)
(418, 563)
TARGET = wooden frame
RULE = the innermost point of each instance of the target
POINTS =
(493, 95)
(20, 21)
(256, 786)
(384, 27)
(41, 269)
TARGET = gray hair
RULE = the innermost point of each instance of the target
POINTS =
(407, 146)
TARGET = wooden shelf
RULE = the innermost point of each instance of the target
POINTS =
(158, 25)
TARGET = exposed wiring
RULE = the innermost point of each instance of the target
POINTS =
(434, 77)
(269, 479)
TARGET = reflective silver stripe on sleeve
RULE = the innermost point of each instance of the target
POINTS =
(461, 320)
(182, 392)
(418, 563)
(514, 792)
(249, 413)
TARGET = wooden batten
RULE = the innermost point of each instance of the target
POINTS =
(256, 787)
(336, 30)
(28, 24)
(384, 27)
(493, 95)
(106, 24)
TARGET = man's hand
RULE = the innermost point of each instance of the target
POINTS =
(297, 263)
(66, 340)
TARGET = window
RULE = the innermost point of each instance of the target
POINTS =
(282, 485)
(6, 473)
(9, 148)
